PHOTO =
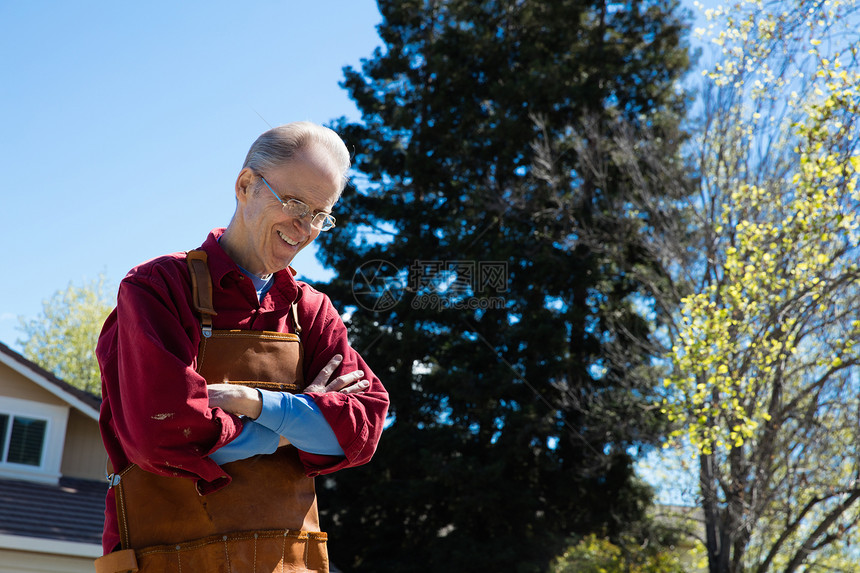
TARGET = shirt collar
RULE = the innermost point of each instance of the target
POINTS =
(221, 265)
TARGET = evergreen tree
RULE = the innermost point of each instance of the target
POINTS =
(500, 333)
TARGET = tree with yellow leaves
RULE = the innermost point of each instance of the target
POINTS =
(765, 368)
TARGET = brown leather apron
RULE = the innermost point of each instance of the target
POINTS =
(266, 519)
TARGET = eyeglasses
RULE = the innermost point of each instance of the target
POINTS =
(299, 209)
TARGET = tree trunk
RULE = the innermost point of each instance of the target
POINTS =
(713, 539)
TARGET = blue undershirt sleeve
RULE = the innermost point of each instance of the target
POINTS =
(252, 440)
(299, 419)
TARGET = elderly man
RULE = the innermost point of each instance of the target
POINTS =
(228, 385)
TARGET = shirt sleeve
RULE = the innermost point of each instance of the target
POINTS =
(160, 404)
(357, 419)
(299, 419)
(255, 439)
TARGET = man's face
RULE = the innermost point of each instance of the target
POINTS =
(271, 238)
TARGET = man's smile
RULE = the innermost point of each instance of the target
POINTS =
(287, 239)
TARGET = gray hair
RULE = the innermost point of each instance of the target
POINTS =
(280, 144)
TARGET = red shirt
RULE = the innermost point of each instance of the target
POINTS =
(155, 409)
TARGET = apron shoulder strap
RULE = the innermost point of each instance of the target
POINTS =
(201, 292)
(201, 288)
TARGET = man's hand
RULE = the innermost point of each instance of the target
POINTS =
(346, 384)
(236, 399)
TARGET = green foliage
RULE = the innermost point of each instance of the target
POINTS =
(511, 424)
(592, 554)
(764, 355)
(786, 249)
(62, 339)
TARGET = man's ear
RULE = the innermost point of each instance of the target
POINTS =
(244, 184)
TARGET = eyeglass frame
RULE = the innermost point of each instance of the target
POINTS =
(308, 209)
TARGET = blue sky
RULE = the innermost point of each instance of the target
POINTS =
(125, 124)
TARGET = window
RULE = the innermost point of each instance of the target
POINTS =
(22, 440)
(32, 436)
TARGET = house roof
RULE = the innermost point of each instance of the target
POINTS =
(87, 403)
(73, 510)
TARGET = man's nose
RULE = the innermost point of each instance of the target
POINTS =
(303, 223)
